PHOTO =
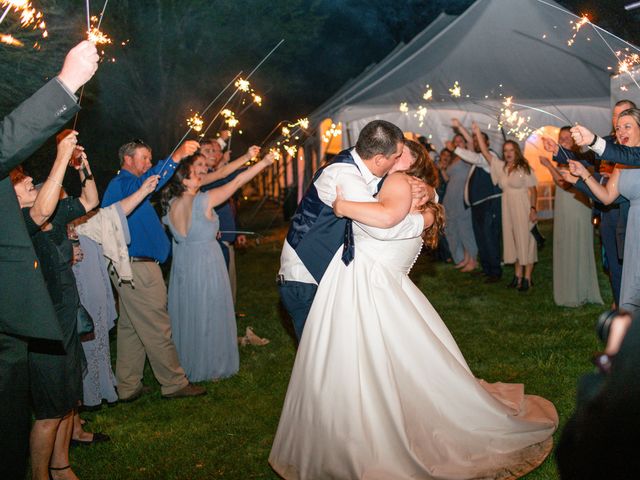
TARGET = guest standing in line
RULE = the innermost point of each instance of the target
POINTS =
(21, 133)
(575, 277)
(144, 327)
(514, 176)
(200, 301)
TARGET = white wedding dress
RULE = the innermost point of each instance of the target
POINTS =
(380, 390)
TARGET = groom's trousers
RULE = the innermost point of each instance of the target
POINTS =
(297, 298)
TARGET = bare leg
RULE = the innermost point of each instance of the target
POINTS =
(60, 457)
(43, 437)
(528, 270)
(471, 263)
(78, 432)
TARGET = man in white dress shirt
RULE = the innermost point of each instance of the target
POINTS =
(316, 234)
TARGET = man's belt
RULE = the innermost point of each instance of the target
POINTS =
(143, 259)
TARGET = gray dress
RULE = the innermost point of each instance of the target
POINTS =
(94, 289)
(200, 304)
(575, 277)
(459, 230)
(629, 187)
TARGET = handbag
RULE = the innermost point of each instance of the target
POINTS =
(84, 321)
(538, 236)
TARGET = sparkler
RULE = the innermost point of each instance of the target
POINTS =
(9, 40)
(428, 94)
(455, 91)
(242, 85)
(421, 112)
(576, 28)
(29, 15)
(195, 122)
(404, 108)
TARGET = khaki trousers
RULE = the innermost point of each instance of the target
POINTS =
(144, 330)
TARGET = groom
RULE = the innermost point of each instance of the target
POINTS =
(316, 234)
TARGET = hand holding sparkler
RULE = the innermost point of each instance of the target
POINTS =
(550, 146)
(475, 129)
(577, 169)
(455, 123)
(225, 135)
(185, 150)
(149, 185)
(79, 66)
(582, 136)
(544, 161)
(253, 152)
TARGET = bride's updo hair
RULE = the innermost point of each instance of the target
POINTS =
(175, 188)
(424, 169)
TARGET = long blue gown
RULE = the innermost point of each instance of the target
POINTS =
(200, 302)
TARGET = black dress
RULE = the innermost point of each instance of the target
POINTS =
(55, 375)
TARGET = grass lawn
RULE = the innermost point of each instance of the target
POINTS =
(505, 335)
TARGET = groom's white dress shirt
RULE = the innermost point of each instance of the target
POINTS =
(358, 186)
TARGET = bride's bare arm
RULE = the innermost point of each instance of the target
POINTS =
(393, 205)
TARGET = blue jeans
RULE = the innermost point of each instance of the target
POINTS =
(297, 298)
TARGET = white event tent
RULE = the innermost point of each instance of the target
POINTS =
(495, 49)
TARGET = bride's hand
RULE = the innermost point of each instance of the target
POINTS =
(420, 190)
(337, 202)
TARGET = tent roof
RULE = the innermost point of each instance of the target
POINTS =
(373, 71)
(519, 44)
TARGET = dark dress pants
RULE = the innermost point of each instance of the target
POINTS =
(297, 298)
(15, 412)
(487, 228)
(608, 226)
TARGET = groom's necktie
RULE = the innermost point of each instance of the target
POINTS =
(348, 249)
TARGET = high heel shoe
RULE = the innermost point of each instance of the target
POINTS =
(515, 283)
(524, 286)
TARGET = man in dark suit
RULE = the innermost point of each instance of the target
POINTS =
(26, 310)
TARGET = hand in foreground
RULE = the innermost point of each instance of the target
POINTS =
(79, 65)
(550, 145)
(269, 158)
(150, 184)
(577, 169)
(582, 135)
(421, 191)
(185, 150)
(475, 128)
(67, 146)
(449, 145)
(455, 123)
(533, 215)
(78, 254)
(568, 177)
(253, 151)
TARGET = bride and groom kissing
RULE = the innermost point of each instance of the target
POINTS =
(379, 388)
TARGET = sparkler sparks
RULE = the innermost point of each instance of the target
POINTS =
(404, 108)
(195, 122)
(29, 15)
(9, 40)
(242, 85)
(514, 123)
(576, 28)
(428, 94)
(98, 37)
(455, 91)
(257, 99)
(276, 154)
(421, 112)
(291, 150)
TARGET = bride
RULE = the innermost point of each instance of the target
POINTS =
(380, 390)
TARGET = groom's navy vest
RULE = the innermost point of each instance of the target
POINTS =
(481, 187)
(315, 232)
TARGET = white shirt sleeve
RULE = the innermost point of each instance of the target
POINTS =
(474, 158)
(411, 227)
(599, 146)
(346, 176)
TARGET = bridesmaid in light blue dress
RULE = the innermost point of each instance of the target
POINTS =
(200, 302)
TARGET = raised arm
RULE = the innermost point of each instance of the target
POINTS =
(219, 195)
(482, 143)
(129, 203)
(393, 205)
(231, 167)
(48, 196)
(89, 195)
(607, 194)
(463, 131)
